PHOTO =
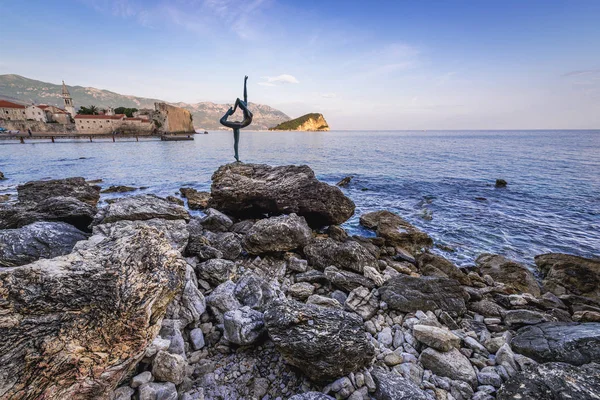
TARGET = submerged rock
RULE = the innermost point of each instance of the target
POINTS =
(510, 273)
(140, 208)
(396, 231)
(196, 200)
(38, 240)
(557, 381)
(85, 319)
(251, 190)
(282, 233)
(78, 188)
(500, 183)
(409, 294)
(119, 189)
(566, 274)
(571, 342)
(325, 343)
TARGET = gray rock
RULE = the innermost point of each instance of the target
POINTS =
(566, 274)
(167, 367)
(489, 376)
(525, 317)
(157, 345)
(410, 294)
(175, 231)
(222, 299)
(216, 221)
(140, 208)
(190, 304)
(506, 358)
(486, 308)
(452, 364)
(140, 379)
(251, 190)
(283, 233)
(301, 291)
(255, 292)
(243, 326)
(171, 330)
(311, 396)
(434, 265)
(227, 243)
(553, 381)
(158, 391)
(510, 273)
(570, 342)
(347, 280)
(351, 255)
(438, 338)
(215, 271)
(323, 301)
(196, 200)
(363, 302)
(342, 387)
(340, 296)
(106, 300)
(197, 339)
(324, 343)
(392, 386)
(385, 336)
(38, 240)
(78, 188)
(297, 264)
(123, 393)
(312, 276)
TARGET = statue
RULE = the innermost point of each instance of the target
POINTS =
(237, 125)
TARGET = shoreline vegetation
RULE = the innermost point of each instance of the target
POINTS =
(265, 296)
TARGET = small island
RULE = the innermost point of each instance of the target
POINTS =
(308, 122)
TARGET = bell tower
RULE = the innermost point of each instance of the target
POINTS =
(68, 100)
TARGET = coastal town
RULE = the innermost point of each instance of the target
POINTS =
(49, 119)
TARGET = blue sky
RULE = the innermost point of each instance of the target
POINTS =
(363, 64)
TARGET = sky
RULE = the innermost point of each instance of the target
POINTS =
(377, 65)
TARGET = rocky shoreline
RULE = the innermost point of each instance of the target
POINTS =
(266, 297)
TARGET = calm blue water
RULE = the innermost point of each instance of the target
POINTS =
(552, 202)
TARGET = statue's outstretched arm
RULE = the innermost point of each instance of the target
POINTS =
(245, 90)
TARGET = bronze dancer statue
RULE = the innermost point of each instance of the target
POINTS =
(237, 125)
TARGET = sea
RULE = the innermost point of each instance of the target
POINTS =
(443, 182)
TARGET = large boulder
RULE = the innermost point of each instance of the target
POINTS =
(76, 325)
(451, 364)
(391, 386)
(396, 231)
(565, 274)
(282, 233)
(175, 231)
(556, 381)
(140, 208)
(251, 190)
(409, 294)
(38, 240)
(434, 265)
(78, 188)
(325, 343)
(53, 209)
(570, 342)
(347, 280)
(243, 326)
(351, 255)
(511, 273)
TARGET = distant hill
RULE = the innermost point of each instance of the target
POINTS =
(206, 115)
(308, 122)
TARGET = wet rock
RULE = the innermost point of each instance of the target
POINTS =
(344, 182)
(175, 230)
(351, 255)
(215, 271)
(243, 326)
(434, 265)
(396, 231)
(363, 302)
(438, 338)
(2, 177)
(452, 364)
(282, 233)
(571, 342)
(54, 209)
(196, 200)
(216, 221)
(119, 189)
(510, 273)
(78, 188)
(500, 183)
(565, 274)
(140, 208)
(324, 343)
(79, 308)
(391, 386)
(175, 200)
(410, 294)
(251, 190)
(553, 381)
(158, 391)
(311, 396)
(38, 240)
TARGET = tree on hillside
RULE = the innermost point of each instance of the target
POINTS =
(127, 111)
(91, 110)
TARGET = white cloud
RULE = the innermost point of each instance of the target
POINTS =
(278, 80)
(328, 95)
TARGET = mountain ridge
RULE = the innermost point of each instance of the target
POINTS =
(206, 114)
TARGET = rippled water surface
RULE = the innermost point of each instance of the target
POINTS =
(441, 181)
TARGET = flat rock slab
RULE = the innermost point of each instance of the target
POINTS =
(557, 381)
(140, 208)
(567, 274)
(325, 343)
(38, 240)
(409, 294)
(252, 190)
(76, 325)
(77, 187)
(570, 342)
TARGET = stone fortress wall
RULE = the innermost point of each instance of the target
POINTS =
(174, 119)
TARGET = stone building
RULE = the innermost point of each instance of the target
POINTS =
(12, 111)
(55, 114)
(99, 124)
(35, 113)
(69, 107)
